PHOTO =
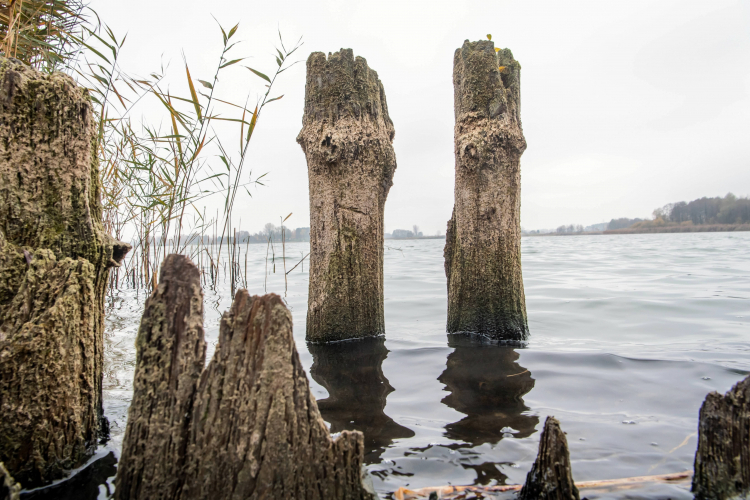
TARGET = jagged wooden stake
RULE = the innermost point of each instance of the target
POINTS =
(54, 267)
(722, 460)
(483, 239)
(347, 138)
(551, 477)
(250, 427)
(170, 355)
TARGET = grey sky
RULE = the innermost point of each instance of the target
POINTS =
(626, 106)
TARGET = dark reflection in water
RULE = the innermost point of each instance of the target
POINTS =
(352, 373)
(487, 384)
(83, 486)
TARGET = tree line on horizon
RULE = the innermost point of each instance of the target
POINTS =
(728, 210)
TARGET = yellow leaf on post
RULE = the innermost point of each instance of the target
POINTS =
(489, 37)
(501, 68)
(497, 49)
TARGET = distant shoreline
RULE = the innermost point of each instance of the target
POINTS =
(706, 228)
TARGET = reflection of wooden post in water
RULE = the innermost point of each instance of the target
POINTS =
(352, 373)
(487, 384)
(483, 239)
(347, 138)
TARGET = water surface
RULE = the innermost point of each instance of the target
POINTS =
(628, 335)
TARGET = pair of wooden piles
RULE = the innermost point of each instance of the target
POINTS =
(347, 137)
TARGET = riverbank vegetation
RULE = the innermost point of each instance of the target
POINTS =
(156, 180)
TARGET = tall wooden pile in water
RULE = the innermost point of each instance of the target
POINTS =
(347, 138)
(483, 239)
(245, 427)
(54, 266)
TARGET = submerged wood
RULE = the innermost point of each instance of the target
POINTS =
(347, 138)
(722, 460)
(551, 478)
(9, 489)
(248, 427)
(483, 238)
(54, 266)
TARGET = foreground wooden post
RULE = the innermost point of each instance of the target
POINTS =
(9, 489)
(483, 239)
(722, 460)
(54, 266)
(347, 138)
(249, 427)
(550, 477)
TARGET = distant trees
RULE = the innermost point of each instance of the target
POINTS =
(621, 223)
(572, 228)
(727, 210)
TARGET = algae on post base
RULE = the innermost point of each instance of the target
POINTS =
(54, 266)
(483, 239)
(347, 139)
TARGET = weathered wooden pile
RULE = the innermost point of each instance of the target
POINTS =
(246, 425)
(54, 265)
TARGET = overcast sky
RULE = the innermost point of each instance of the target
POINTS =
(626, 106)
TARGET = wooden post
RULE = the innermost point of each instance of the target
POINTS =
(722, 460)
(54, 266)
(483, 239)
(249, 427)
(347, 138)
(551, 477)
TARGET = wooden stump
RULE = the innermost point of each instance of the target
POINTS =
(170, 355)
(722, 460)
(250, 428)
(551, 477)
(54, 266)
(9, 489)
(483, 239)
(347, 139)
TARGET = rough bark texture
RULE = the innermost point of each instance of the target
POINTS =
(249, 428)
(9, 489)
(170, 355)
(347, 138)
(550, 477)
(722, 461)
(54, 265)
(483, 239)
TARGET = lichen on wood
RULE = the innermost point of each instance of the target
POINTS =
(551, 477)
(347, 138)
(722, 460)
(54, 266)
(483, 238)
(249, 428)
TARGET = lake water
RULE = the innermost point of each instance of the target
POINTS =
(628, 335)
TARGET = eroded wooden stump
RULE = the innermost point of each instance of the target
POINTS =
(249, 428)
(54, 266)
(722, 460)
(483, 238)
(551, 477)
(347, 138)
(9, 489)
